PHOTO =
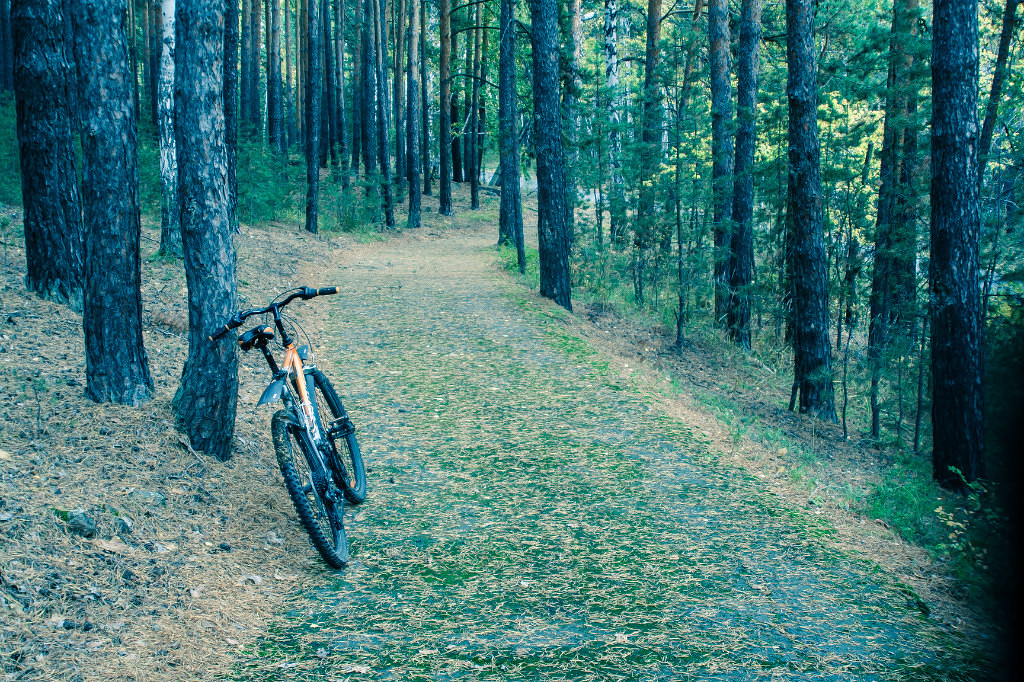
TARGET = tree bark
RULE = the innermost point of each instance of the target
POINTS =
(445, 143)
(650, 151)
(116, 368)
(207, 397)
(6, 48)
(231, 106)
(510, 216)
(383, 144)
(402, 146)
(721, 149)
(956, 315)
(413, 116)
(339, 39)
(170, 219)
(245, 62)
(49, 186)
(253, 115)
(312, 126)
(617, 189)
(895, 242)
(275, 95)
(811, 346)
(741, 253)
(572, 89)
(331, 83)
(424, 102)
(552, 231)
(473, 138)
(369, 92)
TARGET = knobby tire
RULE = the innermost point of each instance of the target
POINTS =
(321, 518)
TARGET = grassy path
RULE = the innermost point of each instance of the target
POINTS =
(532, 516)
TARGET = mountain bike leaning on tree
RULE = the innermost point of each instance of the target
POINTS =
(313, 436)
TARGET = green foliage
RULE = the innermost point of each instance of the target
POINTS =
(10, 169)
(270, 188)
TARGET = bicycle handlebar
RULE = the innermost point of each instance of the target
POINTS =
(236, 320)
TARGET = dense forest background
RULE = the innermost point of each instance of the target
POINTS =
(832, 187)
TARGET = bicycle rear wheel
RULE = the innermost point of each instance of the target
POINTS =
(350, 469)
(321, 517)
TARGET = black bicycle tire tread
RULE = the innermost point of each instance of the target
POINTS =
(355, 491)
(279, 430)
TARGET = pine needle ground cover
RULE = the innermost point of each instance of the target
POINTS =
(532, 515)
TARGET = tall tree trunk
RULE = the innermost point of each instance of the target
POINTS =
(49, 185)
(357, 91)
(402, 32)
(143, 11)
(369, 91)
(6, 48)
(445, 143)
(253, 115)
(155, 47)
(617, 189)
(999, 75)
(510, 217)
(956, 315)
(325, 105)
(116, 368)
(331, 81)
(721, 149)
(170, 219)
(473, 138)
(275, 96)
(313, 94)
(339, 40)
(811, 346)
(206, 400)
(572, 89)
(650, 151)
(741, 253)
(383, 144)
(413, 115)
(245, 64)
(552, 231)
(230, 106)
(895, 248)
(424, 102)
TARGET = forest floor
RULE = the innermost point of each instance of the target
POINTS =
(550, 497)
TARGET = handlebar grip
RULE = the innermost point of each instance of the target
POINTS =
(326, 290)
(220, 332)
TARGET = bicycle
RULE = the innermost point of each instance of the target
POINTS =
(330, 470)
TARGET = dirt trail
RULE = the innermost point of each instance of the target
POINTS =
(535, 515)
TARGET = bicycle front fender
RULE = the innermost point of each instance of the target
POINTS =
(273, 392)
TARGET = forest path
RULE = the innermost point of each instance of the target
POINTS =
(532, 515)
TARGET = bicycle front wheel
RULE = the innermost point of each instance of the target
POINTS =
(307, 486)
(350, 469)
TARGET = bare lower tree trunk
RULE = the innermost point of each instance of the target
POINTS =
(413, 116)
(553, 237)
(339, 39)
(424, 102)
(650, 152)
(275, 96)
(721, 149)
(206, 400)
(6, 48)
(956, 315)
(741, 253)
(368, 96)
(510, 220)
(314, 91)
(572, 90)
(812, 346)
(617, 189)
(331, 85)
(445, 143)
(170, 220)
(49, 187)
(116, 367)
(383, 144)
(402, 146)
(473, 137)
